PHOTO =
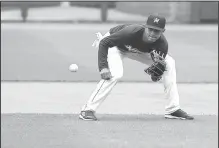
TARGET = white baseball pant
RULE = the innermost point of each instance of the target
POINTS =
(115, 62)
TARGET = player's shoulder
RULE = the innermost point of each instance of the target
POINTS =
(162, 44)
(163, 40)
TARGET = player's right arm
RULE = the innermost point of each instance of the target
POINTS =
(124, 36)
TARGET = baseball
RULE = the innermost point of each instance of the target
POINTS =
(73, 67)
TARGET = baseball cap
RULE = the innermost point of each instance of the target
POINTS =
(156, 22)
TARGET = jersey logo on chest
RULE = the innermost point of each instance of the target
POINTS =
(131, 49)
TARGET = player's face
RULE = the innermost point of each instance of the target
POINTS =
(153, 34)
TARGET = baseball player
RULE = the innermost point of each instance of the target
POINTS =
(144, 43)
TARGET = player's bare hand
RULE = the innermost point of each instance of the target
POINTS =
(105, 74)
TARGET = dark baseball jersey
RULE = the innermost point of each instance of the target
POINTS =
(128, 36)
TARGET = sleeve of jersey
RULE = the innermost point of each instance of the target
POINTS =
(163, 49)
(115, 39)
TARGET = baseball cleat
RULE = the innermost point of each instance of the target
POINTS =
(87, 115)
(179, 114)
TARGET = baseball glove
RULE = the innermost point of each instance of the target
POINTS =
(158, 67)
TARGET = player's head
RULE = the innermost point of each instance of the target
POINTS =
(155, 26)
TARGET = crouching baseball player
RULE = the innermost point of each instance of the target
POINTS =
(144, 43)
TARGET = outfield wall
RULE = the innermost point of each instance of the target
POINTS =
(43, 52)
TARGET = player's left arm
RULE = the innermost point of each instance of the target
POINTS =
(161, 48)
(158, 67)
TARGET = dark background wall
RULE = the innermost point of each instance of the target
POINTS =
(183, 12)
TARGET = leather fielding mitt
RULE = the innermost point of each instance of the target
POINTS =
(158, 67)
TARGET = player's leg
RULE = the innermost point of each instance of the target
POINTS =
(172, 110)
(104, 87)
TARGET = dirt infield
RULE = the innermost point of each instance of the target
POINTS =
(112, 131)
(45, 115)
